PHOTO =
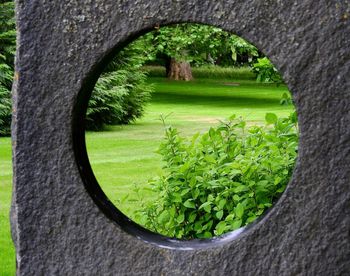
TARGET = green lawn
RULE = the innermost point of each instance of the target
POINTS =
(124, 156)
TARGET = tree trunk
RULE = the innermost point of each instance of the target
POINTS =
(179, 70)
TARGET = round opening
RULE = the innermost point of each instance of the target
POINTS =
(191, 136)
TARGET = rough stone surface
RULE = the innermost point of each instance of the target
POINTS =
(59, 230)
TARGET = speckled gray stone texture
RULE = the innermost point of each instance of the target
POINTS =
(57, 228)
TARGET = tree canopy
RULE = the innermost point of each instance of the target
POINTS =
(181, 45)
(198, 43)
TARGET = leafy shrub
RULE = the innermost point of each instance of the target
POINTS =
(7, 52)
(266, 72)
(221, 180)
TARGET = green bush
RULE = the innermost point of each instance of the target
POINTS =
(119, 97)
(266, 72)
(221, 180)
(121, 93)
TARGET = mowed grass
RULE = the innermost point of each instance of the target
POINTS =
(7, 252)
(124, 157)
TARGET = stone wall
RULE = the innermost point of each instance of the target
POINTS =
(61, 222)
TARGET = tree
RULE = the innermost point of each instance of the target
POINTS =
(7, 51)
(181, 45)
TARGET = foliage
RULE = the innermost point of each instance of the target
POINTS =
(5, 111)
(240, 47)
(221, 180)
(7, 33)
(7, 51)
(266, 72)
(119, 97)
(121, 93)
(198, 44)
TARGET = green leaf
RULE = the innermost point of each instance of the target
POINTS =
(206, 206)
(271, 118)
(239, 210)
(172, 211)
(241, 188)
(192, 217)
(234, 172)
(185, 167)
(251, 219)
(211, 132)
(208, 225)
(163, 217)
(230, 217)
(177, 197)
(236, 224)
(210, 159)
(241, 124)
(198, 226)
(236, 198)
(222, 203)
(189, 204)
(195, 193)
(219, 214)
(207, 235)
(232, 117)
(233, 54)
(180, 218)
(220, 228)
(185, 191)
(211, 198)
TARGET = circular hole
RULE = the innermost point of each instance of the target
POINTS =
(192, 134)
